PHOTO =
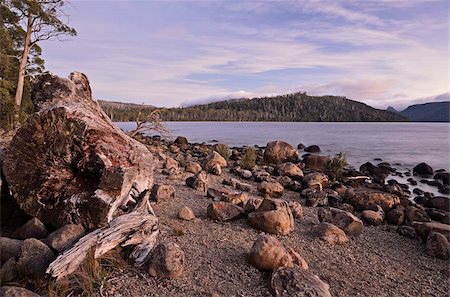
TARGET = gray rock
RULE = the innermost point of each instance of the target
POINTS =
(343, 219)
(65, 236)
(224, 211)
(186, 213)
(162, 192)
(271, 188)
(407, 231)
(279, 151)
(34, 228)
(8, 291)
(34, 258)
(167, 261)
(9, 248)
(437, 246)
(395, 216)
(8, 271)
(424, 228)
(198, 182)
(296, 282)
(330, 233)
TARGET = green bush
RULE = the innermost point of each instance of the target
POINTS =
(248, 161)
(336, 165)
(223, 150)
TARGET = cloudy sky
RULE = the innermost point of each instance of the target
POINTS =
(172, 53)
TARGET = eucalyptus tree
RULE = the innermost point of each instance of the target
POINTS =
(38, 20)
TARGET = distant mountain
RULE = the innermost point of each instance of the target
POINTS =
(297, 107)
(428, 112)
(391, 109)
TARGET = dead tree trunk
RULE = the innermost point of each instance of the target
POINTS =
(137, 228)
(69, 163)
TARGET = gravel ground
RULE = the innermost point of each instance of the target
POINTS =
(377, 263)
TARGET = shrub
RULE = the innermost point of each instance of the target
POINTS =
(223, 150)
(336, 165)
(248, 161)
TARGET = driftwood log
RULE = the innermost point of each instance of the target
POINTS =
(137, 228)
(68, 163)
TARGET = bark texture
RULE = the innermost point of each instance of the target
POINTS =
(69, 163)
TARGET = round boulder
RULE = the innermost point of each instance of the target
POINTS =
(279, 151)
(268, 253)
(167, 261)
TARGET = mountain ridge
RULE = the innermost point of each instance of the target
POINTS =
(295, 107)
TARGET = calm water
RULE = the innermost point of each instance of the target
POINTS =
(404, 143)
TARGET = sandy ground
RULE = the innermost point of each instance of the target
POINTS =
(377, 263)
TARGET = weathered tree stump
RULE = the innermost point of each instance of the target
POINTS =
(68, 163)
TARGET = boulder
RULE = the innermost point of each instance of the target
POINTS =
(9, 291)
(186, 213)
(214, 163)
(297, 282)
(407, 231)
(312, 149)
(68, 163)
(181, 140)
(167, 261)
(261, 175)
(316, 162)
(330, 233)
(279, 151)
(443, 176)
(416, 214)
(8, 271)
(34, 228)
(34, 258)
(371, 217)
(439, 202)
(423, 169)
(395, 216)
(9, 248)
(316, 198)
(437, 246)
(424, 228)
(65, 236)
(198, 182)
(268, 253)
(162, 192)
(227, 195)
(365, 198)
(193, 167)
(297, 209)
(171, 163)
(272, 216)
(297, 259)
(291, 170)
(377, 173)
(343, 219)
(271, 188)
(315, 180)
(237, 184)
(224, 211)
(252, 204)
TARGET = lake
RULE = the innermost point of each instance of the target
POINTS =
(406, 144)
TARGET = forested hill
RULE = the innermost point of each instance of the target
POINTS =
(297, 107)
(428, 112)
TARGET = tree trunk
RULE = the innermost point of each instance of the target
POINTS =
(22, 68)
(69, 163)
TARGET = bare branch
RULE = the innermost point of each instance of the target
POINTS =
(152, 123)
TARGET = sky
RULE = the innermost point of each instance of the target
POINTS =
(177, 53)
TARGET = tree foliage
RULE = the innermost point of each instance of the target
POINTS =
(25, 23)
(297, 107)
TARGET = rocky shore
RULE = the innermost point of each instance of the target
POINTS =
(244, 221)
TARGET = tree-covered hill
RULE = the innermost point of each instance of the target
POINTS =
(297, 107)
(428, 112)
